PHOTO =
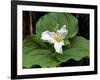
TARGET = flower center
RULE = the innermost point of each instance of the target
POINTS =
(58, 37)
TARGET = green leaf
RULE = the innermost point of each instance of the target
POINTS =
(39, 57)
(72, 25)
(36, 52)
(73, 53)
(33, 42)
(78, 50)
(50, 22)
(66, 42)
(80, 42)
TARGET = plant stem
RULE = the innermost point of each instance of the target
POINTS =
(30, 25)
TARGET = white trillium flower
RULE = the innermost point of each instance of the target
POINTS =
(56, 37)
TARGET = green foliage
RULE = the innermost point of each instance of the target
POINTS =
(51, 20)
(80, 42)
(40, 57)
(38, 52)
(79, 49)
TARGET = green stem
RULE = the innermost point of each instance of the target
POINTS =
(56, 27)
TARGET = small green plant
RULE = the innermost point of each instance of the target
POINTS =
(55, 42)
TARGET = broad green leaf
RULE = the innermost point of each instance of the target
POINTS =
(80, 42)
(33, 42)
(78, 50)
(39, 57)
(36, 52)
(50, 21)
(73, 53)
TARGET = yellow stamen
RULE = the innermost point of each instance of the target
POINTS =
(58, 37)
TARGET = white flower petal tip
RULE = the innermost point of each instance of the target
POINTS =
(58, 47)
(48, 36)
(63, 31)
(63, 27)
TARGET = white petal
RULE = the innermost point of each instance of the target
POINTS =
(48, 36)
(58, 46)
(63, 31)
